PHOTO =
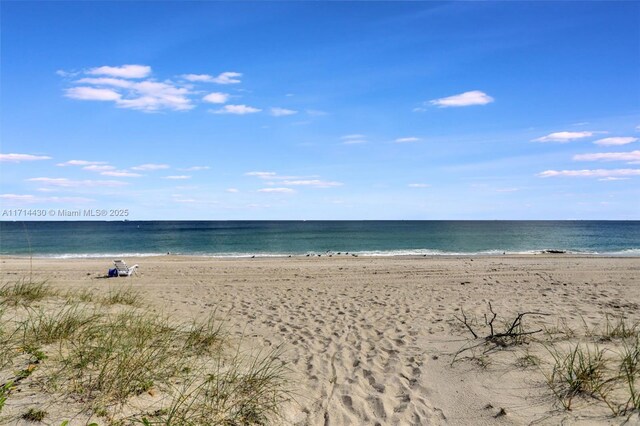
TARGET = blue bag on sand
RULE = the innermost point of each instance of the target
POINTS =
(113, 272)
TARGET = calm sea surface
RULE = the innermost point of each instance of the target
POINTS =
(275, 238)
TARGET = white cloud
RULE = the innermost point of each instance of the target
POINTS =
(108, 81)
(353, 139)
(81, 163)
(146, 95)
(17, 158)
(615, 141)
(124, 71)
(281, 112)
(262, 175)
(68, 183)
(232, 190)
(224, 78)
(633, 156)
(228, 78)
(96, 168)
(354, 136)
(277, 190)
(612, 179)
(601, 173)
(312, 182)
(150, 166)
(216, 98)
(237, 109)
(16, 198)
(563, 137)
(84, 93)
(196, 78)
(152, 96)
(63, 73)
(474, 97)
(195, 168)
(407, 140)
(179, 177)
(120, 173)
(419, 185)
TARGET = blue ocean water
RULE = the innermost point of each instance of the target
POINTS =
(276, 238)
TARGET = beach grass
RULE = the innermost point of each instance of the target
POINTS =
(122, 296)
(25, 292)
(100, 354)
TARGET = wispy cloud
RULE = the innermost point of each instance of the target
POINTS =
(150, 166)
(419, 185)
(83, 163)
(600, 173)
(27, 198)
(474, 97)
(195, 168)
(216, 98)
(18, 158)
(85, 93)
(153, 96)
(281, 112)
(563, 137)
(353, 139)
(262, 175)
(97, 168)
(232, 190)
(615, 141)
(277, 190)
(407, 140)
(633, 156)
(146, 96)
(120, 173)
(68, 183)
(228, 77)
(613, 179)
(178, 177)
(312, 182)
(237, 109)
(124, 71)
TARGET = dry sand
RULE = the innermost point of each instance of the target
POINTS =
(371, 340)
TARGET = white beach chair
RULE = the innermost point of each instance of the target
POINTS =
(123, 269)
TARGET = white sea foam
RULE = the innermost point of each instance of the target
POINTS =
(364, 253)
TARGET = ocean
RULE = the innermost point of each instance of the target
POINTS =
(282, 238)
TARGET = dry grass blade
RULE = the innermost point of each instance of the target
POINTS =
(235, 392)
(121, 356)
(122, 296)
(41, 328)
(25, 292)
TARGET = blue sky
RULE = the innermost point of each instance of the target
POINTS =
(310, 110)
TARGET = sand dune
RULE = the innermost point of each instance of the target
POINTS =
(371, 340)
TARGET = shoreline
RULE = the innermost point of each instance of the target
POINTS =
(368, 255)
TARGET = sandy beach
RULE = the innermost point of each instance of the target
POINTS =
(371, 340)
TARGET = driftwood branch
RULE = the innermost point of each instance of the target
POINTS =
(503, 339)
(466, 323)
